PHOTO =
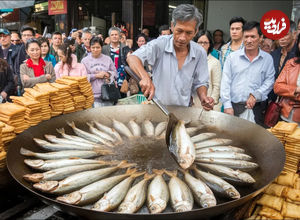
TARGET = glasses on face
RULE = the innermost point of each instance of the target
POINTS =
(27, 35)
(203, 42)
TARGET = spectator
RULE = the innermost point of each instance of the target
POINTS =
(9, 50)
(129, 43)
(35, 70)
(164, 30)
(248, 76)
(266, 45)
(287, 86)
(218, 39)
(118, 53)
(15, 38)
(141, 40)
(45, 48)
(86, 38)
(123, 37)
(68, 65)
(236, 35)
(27, 33)
(7, 86)
(204, 38)
(107, 41)
(146, 32)
(99, 69)
(56, 42)
(71, 44)
(285, 51)
(79, 50)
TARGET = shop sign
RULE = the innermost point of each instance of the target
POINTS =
(56, 7)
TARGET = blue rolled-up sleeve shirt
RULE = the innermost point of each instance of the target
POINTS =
(174, 86)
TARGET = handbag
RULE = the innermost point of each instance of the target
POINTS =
(110, 92)
(273, 113)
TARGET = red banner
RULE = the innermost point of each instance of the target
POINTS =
(56, 7)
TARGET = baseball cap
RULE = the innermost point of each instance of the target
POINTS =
(4, 31)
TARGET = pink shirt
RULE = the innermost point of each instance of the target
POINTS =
(77, 69)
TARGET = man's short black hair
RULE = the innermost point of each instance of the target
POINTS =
(27, 28)
(237, 19)
(163, 28)
(252, 24)
(56, 33)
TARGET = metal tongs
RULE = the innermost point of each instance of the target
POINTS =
(172, 118)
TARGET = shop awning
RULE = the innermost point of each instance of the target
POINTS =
(16, 4)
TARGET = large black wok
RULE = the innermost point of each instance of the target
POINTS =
(266, 150)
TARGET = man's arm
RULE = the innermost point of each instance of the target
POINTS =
(146, 83)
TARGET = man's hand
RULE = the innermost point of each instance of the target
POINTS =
(147, 87)
(207, 103)
(250, 102)
(229, 111)
(4, 95)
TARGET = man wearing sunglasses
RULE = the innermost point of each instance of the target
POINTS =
(16, 38)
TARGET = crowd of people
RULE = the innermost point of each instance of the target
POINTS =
(187, 67)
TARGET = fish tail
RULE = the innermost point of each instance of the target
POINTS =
(60, 130)
(148, 176)
(130, 171)
(158, 172)
(71, 124)
(26, 152)
(124, 164)
(90, 124)
(135, 175)
(171, 173)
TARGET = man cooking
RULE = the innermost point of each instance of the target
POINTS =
(179, 65)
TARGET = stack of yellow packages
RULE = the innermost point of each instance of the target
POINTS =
(43, 98)
(66, 97)
(14, 115)
(280, 200)
(282, 129)
(85, 89)
(33, 109)
(56, 101)
(79, 99)
(292, 149)
(2, 150)
(8, 134)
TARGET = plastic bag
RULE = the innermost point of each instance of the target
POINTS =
(248, 115)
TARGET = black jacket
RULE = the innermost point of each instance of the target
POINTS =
(20, 57)
(7, 82)
(276, 55)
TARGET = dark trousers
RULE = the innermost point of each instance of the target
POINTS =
(258, 111)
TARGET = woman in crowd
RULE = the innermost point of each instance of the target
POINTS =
(218, 39)
(68, 65)
(287, 86)
(100, 69)
(214, 67)
(35, 69)
(7, 86)
(141, 39)
(45, 48)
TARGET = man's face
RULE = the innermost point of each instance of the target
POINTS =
(165, 32)
(15, 39)
(286, 41)
(26, 35)
(252, 39)
(114, 36)
(86, 37)
(5, 40)
(236, 31)
(56, 40)
(183, 33)
(266, 45)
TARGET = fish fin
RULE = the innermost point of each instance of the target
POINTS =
(171, 173)
(135, 175)
(130, 171)
(60, 130)
(151, 198)
(158, 172)
(26, 152)
(71, 124)
(148, 176)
